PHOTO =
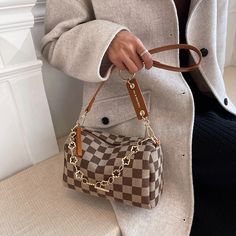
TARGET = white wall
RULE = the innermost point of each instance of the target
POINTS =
(26, 130)
(64, 93)
(231, 35)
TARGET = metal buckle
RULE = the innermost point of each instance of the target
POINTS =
(126, 78)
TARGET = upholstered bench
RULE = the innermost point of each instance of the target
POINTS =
(35, 202)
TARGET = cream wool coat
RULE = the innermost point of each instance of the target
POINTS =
(77, 34)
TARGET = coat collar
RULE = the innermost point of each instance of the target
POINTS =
(193, 6)
(192, 9)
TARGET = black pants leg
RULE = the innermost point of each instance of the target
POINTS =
(214, 171)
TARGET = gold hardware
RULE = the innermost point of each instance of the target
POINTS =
(110, 180)
(79, 174)
(73, 160)
(99, 184)
(76, 125)
(131, 85)
(103, 189)
(134, 149)
(126, 161)
(103, 182)
(125, 78)
(71, 145)
(83, 116)
(142, 113)
(116, 173)
(150, 132)
(72, 134)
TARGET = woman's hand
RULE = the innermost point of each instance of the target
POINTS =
(124, 52)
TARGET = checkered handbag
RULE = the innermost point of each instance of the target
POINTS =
(117, 167)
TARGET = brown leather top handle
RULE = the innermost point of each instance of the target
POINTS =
(161, 65)
(176, 46)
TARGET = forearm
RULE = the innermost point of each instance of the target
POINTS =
(75, 42)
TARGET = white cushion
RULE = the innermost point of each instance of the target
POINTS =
(35, 202)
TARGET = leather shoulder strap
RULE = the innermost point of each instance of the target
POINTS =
(88, 108)
(161, 65)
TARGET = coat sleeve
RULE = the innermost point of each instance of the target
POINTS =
(75, 42)
(222, 14)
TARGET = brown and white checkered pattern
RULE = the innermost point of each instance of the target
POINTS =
(141, 182)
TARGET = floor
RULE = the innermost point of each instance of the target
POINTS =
(60, 142)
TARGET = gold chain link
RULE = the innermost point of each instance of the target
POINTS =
(149, 130)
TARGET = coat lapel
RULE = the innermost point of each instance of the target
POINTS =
(193, 6)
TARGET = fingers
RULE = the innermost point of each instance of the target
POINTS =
(124, 51)
(137, 60)
(134, 62)
(120, 65)
(147, 57)
(130, 65)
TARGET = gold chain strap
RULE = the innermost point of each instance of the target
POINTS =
(116, 173)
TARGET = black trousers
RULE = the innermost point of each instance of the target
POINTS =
(214, 168)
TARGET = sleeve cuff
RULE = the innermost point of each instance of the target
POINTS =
(103, 68)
